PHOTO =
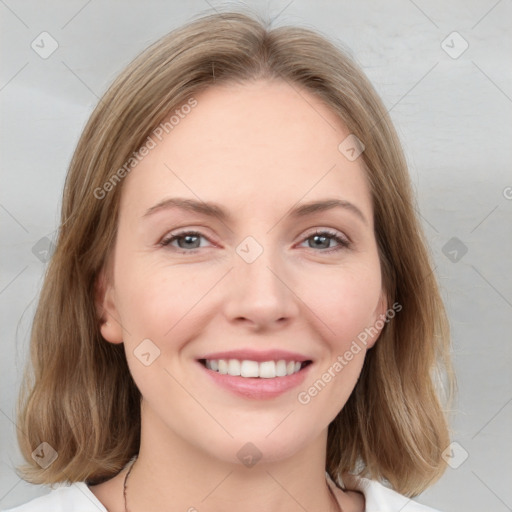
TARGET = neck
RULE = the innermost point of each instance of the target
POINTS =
(169, 470)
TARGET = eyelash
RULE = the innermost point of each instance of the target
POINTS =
(344, 243)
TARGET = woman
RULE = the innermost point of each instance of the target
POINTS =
(289, 359)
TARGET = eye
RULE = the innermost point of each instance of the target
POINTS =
(322, 240)
(190, 241)
(187, 240)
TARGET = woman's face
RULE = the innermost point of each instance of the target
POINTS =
(253, 285)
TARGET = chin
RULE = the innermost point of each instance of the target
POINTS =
(250, 448)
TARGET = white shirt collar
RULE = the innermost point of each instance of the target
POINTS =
(379, 498)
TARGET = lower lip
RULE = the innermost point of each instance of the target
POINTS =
(255, 387)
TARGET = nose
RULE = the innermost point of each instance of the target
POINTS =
(261, 292)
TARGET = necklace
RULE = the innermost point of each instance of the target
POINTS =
(338, 507)
(125, 481)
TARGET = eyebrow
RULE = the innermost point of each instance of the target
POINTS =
(211, 209)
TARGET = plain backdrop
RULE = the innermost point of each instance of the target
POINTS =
(443, 71)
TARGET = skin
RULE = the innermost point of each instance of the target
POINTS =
(257, 149)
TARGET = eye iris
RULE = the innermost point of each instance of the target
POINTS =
(191, 240)
(326, 240)
(188, 239)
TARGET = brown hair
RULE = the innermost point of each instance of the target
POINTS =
(80, 397)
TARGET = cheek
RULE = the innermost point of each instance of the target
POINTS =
(154, 299)
(346, 304)
(344, 309)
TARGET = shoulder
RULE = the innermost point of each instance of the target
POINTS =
(379, 498)
(75, 497)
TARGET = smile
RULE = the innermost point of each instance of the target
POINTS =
(255, 380)
(254, 369)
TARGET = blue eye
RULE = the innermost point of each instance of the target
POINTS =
(189, 238)
(189, 241)
(321, 237)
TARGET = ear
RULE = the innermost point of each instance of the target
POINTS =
(379, 320)
(106, 311)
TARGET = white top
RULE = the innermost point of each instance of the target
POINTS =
(77, 497)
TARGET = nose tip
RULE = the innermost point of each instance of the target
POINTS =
(259, 294)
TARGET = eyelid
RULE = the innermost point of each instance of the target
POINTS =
(343, 241)
(173, 235)
(340, 238)
(330, 231)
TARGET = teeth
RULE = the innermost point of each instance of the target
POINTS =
(223, 366)
(281, 368)
(267, 370)
(247, 368)
(234, 367)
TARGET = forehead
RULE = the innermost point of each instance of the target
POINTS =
(263, 141)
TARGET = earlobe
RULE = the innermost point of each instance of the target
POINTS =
(106, 311)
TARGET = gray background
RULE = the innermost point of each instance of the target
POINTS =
(452, 109)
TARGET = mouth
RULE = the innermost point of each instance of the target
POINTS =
(255, 380)
(248, 369)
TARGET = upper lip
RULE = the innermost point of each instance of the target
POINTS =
(257, 355)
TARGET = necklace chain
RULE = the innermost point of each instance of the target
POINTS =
(125, 481)
(338, 506)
